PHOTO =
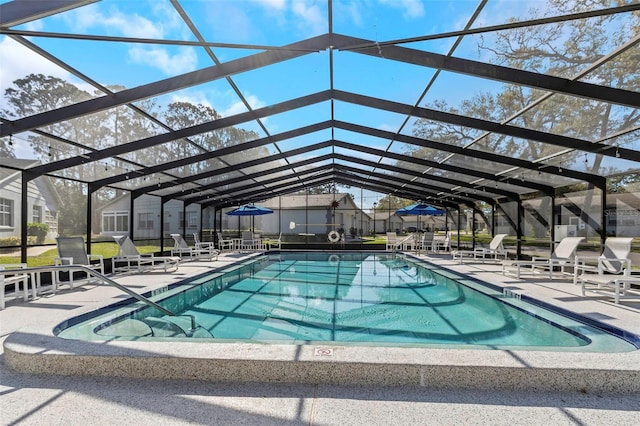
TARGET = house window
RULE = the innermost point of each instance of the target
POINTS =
(192, 220)
(145, 220)
(115, 222)
(37, 214)
(51, 220)
(6, 212)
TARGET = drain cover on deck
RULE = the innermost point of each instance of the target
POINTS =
(323, 351)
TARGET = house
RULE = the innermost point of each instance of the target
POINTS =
(113, 217)
(42, 202)
(387, 221)
(313, 215)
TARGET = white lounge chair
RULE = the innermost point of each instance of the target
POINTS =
(10, 275)
(495, 251)
(563, 256)
(249, 242)
(129, 259)
(209, 245)
(611, 271)
(224, 244)
(604, 283)
(425, 242)
(72, 251)
(395, 242)
(392, 239)
(180, 247)
(613, 260)
(275, 243)
(441, 242)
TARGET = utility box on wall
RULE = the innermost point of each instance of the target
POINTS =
(563, 231)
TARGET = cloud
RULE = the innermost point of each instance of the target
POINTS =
(411, 9)
(238, 107)
(312, 18)
(204, 98)
(29, 63)
(195, 98)
(388, 127)
(353, 11)
(115, 22)
(134, 26)
(184, 60)
(272, 4)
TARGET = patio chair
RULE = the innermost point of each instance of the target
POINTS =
(10, 275)
(248, 242)
(603, 282)
(129, 259)
(72, 251)
(410, 243)
(275, 243)
(613, 260)
(563, 256)
(441, 242)
(209, 245)
(494, 251)
(181, 247)
(392, 239)
(224, 244)
(261, 243)
(425, 242)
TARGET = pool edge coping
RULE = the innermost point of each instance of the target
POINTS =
(31, 351)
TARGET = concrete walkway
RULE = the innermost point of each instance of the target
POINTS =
(51, 399)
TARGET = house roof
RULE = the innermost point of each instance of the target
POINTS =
(311, 201)
(16, 164)
(385, 215)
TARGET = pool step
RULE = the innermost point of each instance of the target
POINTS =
(153, 327)
(127, 328)
(162, 327)
(175, 327)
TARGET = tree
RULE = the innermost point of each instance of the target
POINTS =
(119, 125)
(392, 203)
(565, 49)
(327, 188)
(562, 49)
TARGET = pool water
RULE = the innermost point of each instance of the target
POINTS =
(350, 298)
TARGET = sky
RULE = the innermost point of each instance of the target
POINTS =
(264, 22)
(269, 22)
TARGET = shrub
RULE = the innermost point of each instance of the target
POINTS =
(38, 230)
(9, 241)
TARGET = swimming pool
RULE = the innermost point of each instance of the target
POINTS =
(349, 298)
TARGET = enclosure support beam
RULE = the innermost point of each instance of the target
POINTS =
(519, 230)
(89, 218)
(552, 231)
(473, 227)
(603, 216)
(23, 218)
(131, 204)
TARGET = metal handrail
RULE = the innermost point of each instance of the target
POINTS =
(90, 271)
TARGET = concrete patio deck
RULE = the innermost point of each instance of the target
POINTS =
(423, 394)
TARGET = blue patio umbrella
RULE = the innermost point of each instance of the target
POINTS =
(420, 209)
(250, 210)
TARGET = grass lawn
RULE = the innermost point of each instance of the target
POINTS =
(107, 250)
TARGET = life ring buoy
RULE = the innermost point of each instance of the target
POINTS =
(333, 236)
(334, 259)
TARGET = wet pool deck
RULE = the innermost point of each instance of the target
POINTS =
(236, 383)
